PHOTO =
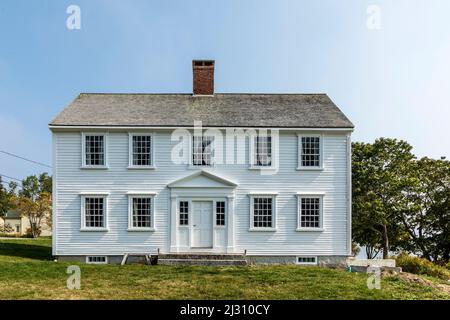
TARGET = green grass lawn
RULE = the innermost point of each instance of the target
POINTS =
(28, 272)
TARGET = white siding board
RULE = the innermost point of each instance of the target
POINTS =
(118, 180)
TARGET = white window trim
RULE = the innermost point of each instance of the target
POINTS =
(83, 150)
(299, 152)
(306, 263)
(131, 166)
(251, 159)
(301, 195)
(274, 211)
(191, 153)
(83, 196)
(130, 211)
(88, 262)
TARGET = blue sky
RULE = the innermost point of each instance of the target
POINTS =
(392, 82)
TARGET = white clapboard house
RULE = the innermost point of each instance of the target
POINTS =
(262, 177)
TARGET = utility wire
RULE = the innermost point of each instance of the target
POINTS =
(12, 178)
(15, 155)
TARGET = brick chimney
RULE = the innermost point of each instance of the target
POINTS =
(203, 72)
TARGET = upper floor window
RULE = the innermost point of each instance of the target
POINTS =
(202, 150)
(94, 147)
(310, 152)
(141, 150)
(263, 151)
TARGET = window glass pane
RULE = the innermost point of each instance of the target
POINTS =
(310, 152)
(94, 212)
(142, 212)
(220, 213)
(310, 212)
(202, 150)
(184, 213)
(94, 151)
(263, 150)
(262, 213)
(141, 150)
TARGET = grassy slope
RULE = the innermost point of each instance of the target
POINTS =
(27, 272)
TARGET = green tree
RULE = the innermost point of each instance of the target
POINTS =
(428, 219)
(33, 186)
(6, 202)
(381, 172)
(34, 201)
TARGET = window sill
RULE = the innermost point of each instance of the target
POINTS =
(141, 167)
(183, 226)
(141, 229)
(94, 167)
(262, 229)
(310, 229)
(94, 229)
(309, 169)
(220, 227)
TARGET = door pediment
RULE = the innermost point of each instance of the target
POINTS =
(202, 179)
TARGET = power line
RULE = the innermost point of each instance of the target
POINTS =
(15, 155)
(19, 183)
(12, 178)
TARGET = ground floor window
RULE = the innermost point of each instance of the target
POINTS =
(184, 213)
(220, 213)
(262, 212)
(140, 212)
(310, 212)
(94, 212)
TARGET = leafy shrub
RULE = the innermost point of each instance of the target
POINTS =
(421, 266)
(6, 228)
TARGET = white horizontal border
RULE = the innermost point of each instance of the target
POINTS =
(94, 193)
(263, 193)
(309, 193)
(100, 127)
(145, 193)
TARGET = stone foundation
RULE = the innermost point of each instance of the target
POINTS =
(322, 261)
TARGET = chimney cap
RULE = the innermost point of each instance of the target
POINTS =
(203, 63)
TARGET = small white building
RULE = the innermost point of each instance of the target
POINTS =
(268, 175)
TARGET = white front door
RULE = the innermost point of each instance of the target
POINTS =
(202, 224)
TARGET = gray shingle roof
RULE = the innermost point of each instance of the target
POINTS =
(220, 110)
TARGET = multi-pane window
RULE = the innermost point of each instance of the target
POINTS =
(96, 259)
(94, 212)
(263, 151)
(94, 150)
(262, 212)
(141, 150)
(184, 213)
(202, 150)
(310, 151)
(310, 212)
(141, 212)
(220, 213)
